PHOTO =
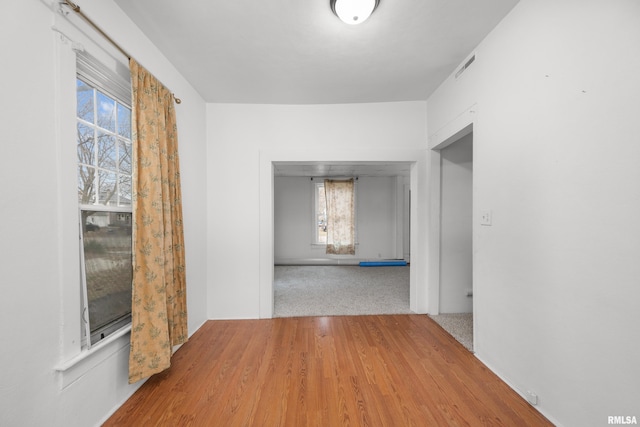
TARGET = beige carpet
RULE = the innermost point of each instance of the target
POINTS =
(320, 290)
(340, 290)
(459, 326)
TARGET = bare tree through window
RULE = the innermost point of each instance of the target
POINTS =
(104, 151)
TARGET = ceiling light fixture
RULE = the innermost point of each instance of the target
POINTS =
(353, 12)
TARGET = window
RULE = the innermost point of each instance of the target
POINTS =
(104, 150)
(320, 214)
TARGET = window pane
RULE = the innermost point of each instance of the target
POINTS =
(107, 261)
(124, 121)
(124, 186)
(104, 182)
(85, 101)
(106, 151)
(321, 214)
(86, 185)
(124, 156)
(86, 146)
(106, 112)
(108, 189)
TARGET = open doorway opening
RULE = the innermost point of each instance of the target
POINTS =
(455, 304)
(417, 159)
(307, 280)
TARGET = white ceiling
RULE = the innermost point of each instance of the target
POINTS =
(298, 52)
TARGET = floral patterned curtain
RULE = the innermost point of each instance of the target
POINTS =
(159, 308)
(340, 217)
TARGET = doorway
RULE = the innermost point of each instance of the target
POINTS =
(417, 160)
(307, 280)
(456, 240)
(456, 254)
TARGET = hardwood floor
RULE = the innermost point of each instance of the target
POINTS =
(392, 370)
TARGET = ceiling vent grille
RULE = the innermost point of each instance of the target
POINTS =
(465, 66)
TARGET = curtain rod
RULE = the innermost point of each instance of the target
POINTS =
(88, 20)
(339, 177)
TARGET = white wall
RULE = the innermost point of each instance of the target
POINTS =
(556, 160)
(456, 226)
(376, 221)
(34, 250)
(239, 136)
(377, 218)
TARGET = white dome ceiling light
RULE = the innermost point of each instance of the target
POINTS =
(353, 12)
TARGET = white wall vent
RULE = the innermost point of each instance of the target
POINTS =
(465, 66)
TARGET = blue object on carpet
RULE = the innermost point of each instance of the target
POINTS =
(393, 263)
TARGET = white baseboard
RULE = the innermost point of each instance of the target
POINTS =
(326, 261)
(316, 261)
(517, 390)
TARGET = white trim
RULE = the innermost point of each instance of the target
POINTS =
(464, 124)
(127, 396)
(85, 38)
(75, 368)
(455, 129)
(102, 80)
(511, 385)
(106, 208)
(67, 209)
(322, 261)
(71, 36)
(66, 365)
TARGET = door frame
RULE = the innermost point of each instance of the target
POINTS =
(419, 288)
(464, 124)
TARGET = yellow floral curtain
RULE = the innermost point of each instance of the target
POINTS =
(159, 307)
(341, 239)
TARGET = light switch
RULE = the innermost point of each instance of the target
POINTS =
(485, 218)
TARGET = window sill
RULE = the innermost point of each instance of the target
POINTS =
(74, 368)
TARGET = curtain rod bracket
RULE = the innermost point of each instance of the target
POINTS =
(72, 5)
(88, 20)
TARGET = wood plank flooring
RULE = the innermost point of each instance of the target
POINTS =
(388, 370)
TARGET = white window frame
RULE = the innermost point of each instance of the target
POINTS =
(71, 36)
(101, 79)
(316, 184)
